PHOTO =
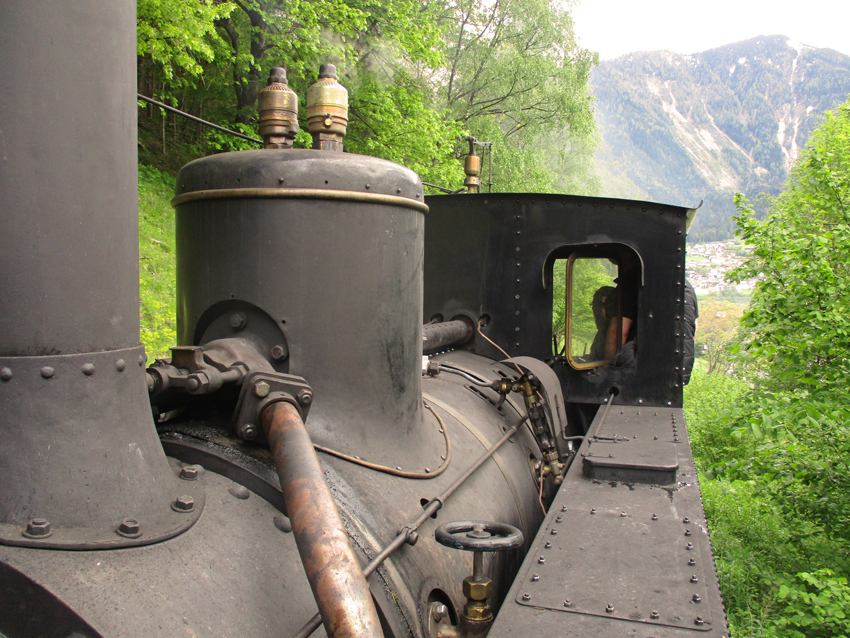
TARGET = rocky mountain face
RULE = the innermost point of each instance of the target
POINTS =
(683, 128)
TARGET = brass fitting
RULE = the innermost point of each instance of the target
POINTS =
(472, 168)
(477, 590)
(327, 110)
(278, 111)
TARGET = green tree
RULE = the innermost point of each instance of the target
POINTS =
(799, 316)
(515, 76)
(718, 324)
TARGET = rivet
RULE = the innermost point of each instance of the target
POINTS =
(368, 186)
(686, 520)
(398, 467)
(183, 504)
(687, 532)
(654, 614)
(516, 297)
(120, 365)
(609, 609)
(548, 545)
(535, 577)
(623, 514)
(696, 598)
(189, 473)
(640, 400)
(655, 517)
(593, 510)
(558, 519)
(554, 532)
(694, 579)
(541, 560)
(567, 603)
(698, 620)
(443, 456)
(563, 508)
(88, 369)
(398, 190)
(239, 491)
(5, 373)
(427, 470)
(282, 523)
(689, 546)
(691, 562)
(47, 372)
(526, 596)
(130, 528)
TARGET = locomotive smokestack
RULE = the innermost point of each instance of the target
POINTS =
(78, 447)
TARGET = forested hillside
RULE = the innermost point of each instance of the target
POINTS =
(421, 77)
(685, 128)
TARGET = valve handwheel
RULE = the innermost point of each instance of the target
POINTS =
(479, 536)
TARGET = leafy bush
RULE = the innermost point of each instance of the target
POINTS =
(157, 287)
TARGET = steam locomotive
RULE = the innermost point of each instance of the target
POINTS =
(369, 425)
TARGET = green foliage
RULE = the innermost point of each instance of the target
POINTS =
(800, 312)
(816, 606)
(179, 36)
(515, 76)
(156, 262)
(775, 465)
(393, 121)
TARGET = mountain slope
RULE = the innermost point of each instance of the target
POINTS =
(685, 128)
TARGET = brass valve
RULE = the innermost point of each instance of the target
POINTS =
(477, 537)
(327, 110)
(278, 111)
(472, 168)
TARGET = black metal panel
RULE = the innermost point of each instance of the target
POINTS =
(235, 573)
(487, 254)
(648, 455)
(28, 610)
(68, 182)
(616, 559)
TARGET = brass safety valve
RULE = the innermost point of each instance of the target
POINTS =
(278, 111)
(327, 110)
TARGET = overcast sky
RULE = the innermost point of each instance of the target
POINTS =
(615, 27)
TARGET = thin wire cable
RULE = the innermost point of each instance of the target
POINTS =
(497, 346)
(171, 109)
(391, 470)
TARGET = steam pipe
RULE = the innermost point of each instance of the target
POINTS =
(332, 568)
(436, 336)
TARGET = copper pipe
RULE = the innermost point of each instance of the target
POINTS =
(332, 568)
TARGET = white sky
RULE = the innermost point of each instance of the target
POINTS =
(615, 27)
